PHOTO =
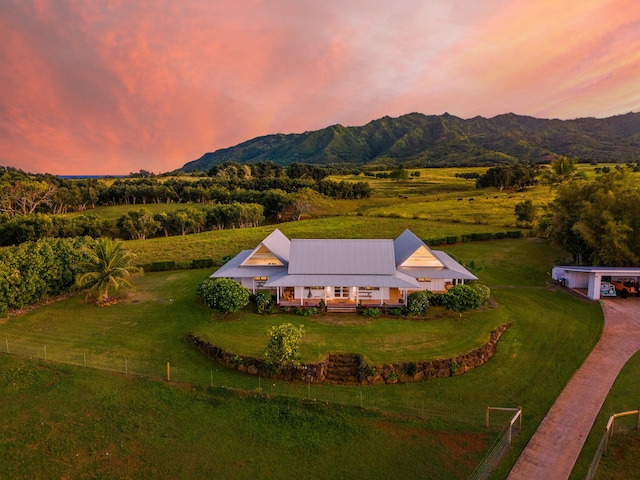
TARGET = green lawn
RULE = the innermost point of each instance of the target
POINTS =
(380, 341)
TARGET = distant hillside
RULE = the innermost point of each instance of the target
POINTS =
(437, 140)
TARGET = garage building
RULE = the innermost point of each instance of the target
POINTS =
(590, 278)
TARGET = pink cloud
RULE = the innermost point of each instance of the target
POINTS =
(113, 86)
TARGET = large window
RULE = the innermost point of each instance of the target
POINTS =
(341, 292)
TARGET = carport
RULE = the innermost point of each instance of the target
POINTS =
(590, 278)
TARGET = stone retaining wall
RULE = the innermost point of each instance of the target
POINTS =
(390, 373)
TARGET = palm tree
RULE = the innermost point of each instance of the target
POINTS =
(562, 169)
(108, 265)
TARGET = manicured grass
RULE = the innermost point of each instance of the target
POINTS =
(380, 341)
(513, 262)
(623, 459)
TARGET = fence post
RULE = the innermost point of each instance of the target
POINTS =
(6, 341)
(520, 408)
(211, 378)
(638, 426)
(487, 417)
(84, 357)
(126, 370)
(45, 352)
(168, 372)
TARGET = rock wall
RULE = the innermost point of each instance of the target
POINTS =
(361, 373)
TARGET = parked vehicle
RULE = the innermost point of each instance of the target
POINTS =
(607, 289)
(626, 287)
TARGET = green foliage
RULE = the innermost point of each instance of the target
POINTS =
(108, 265)
(4, 310)
(306, 311)
(461, 298)
(223, 294)
(435, 298)
(525, 212)
(598, 221)
(562, 169)
(139, 224)
(264, 301)
(282, 350)
(483, 292)
(371, 311)
(33, 271)
(418, 303)
(513, 177)
(453, 367)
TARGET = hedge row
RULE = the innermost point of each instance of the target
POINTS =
(173, 265)
(473, 237)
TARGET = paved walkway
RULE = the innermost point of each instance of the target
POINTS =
(554, 448)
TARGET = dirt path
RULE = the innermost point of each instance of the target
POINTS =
(554, 448)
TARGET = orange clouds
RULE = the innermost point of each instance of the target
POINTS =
(115, 87)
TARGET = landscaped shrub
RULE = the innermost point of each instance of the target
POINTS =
(306, 311)
(264, 301)
(202, 263)
(483, 291)
(282, 349)
(418, 303)
(223, 294)
(435, 298)
(451, 240)
(461, 298)
(514, 234)
(4, 310)
(371, 311)
(164, 266)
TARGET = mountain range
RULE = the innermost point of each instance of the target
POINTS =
(417, 140)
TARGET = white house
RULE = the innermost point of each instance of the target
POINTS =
(345, 272)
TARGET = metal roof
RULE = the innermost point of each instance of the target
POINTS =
(234, 268)
(341, 257)
(590, 269)
(397, 280)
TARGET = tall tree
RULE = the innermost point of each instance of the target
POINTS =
(108, 266)
(598, 221)
(561, 170)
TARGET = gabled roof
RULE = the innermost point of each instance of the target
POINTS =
(450, 269)
(341, 257)
(273, 250)
(234, 268)
(410, 251)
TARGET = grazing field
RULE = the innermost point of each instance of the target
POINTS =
(623, 458)
(221, 243)
(158, 430)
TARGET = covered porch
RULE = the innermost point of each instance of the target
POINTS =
(341, 297)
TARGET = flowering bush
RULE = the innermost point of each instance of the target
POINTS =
(371, 312)
(282, 349)
(418, 303)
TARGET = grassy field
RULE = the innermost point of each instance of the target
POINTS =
(622, 460)
(220, 243)
(551, 335)
(70, 422)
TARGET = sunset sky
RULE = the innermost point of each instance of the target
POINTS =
(115, 86)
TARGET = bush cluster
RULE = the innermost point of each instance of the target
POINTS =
(223, 294)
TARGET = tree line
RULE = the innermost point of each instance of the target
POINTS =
(23, 193)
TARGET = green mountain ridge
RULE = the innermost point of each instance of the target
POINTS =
(418, 140)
